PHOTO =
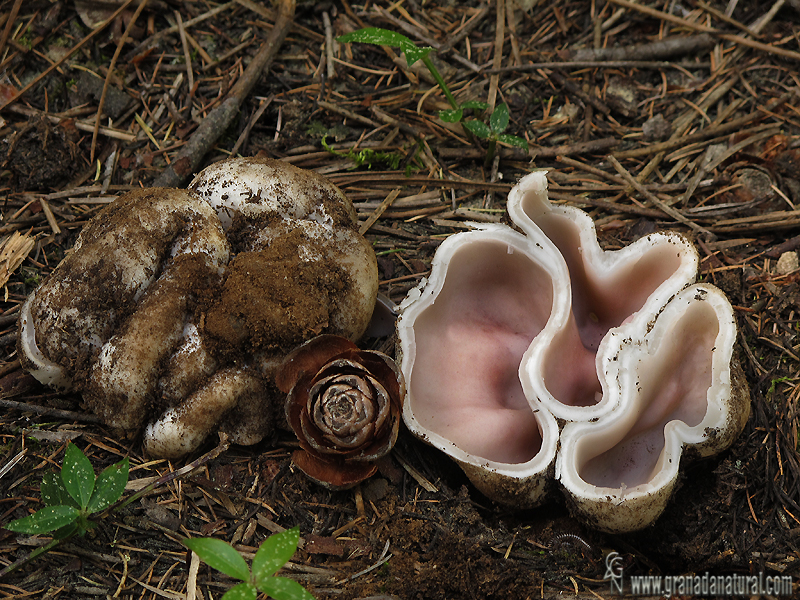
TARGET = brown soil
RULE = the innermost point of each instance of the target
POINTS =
(301, 298)
(726, 159)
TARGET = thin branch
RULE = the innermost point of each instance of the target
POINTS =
(721, 129)
(10, 22)
(666, 208)
(728, 37)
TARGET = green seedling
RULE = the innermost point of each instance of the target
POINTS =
(498, 121)
(273, 553)
(774, 383)
(365, 156)
(68, 494)
(71, 496)
(493, 132)
(385, 37)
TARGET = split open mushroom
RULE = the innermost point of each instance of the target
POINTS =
(521, 345)
(175, 307)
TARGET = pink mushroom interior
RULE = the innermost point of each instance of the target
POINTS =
(469, 344)
(600, 301)
(674, 385)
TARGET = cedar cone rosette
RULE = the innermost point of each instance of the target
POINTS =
(344, 404)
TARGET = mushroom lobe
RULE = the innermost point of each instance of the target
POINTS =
(113, 309)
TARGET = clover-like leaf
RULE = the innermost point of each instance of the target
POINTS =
(220, 555)
(513, 140)
(478, 128)
(275, 552)
(109, 486)
(78, 475)
(499, 119)
(453, 115)
(386, 37)
(283, 588)
(46, 520)
(241, 591)
(54, 493)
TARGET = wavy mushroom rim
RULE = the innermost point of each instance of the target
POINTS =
(672, 280)
(543, 258)
(43, 369)
(577, 242)
(727, 406)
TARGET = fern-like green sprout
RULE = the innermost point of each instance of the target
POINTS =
(498, 120)
(72, 495)
(69, 498)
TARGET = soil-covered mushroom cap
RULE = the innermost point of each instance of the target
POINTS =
(176, 306)
(297, 229)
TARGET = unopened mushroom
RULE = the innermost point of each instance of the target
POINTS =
(517, 335)
(176, 306)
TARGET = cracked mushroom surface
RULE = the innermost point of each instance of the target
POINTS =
(175, 307)
(535, 356)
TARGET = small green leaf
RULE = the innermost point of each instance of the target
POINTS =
(375, 35)
(282, 588)
(475, 105)
(77, 475)
(451, 115)
(478, 128)
(241, 591)
(386, 37)
(499, 119)
(413, 53)
(44, 521)
(219, 555)
(54, 493)
(275, 551)
(109, 487)
(513, 140)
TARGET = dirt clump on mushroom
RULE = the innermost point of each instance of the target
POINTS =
(266, 290)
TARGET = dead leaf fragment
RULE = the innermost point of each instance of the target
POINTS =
(13, 250)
